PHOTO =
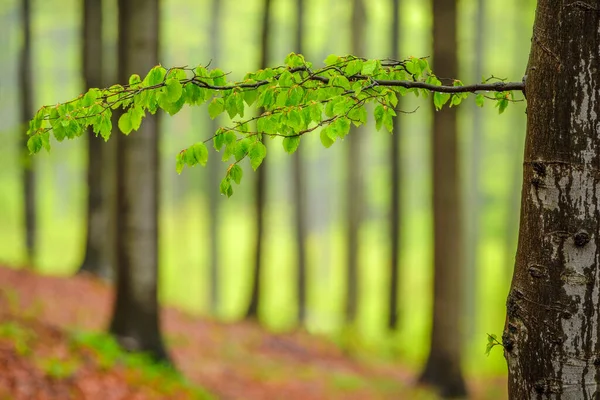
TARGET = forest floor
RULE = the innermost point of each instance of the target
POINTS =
(43, 357)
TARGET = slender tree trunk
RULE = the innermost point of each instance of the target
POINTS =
(26, 90)
(96, 259)
(443, 367)
(261, 184)
(300, 189)
(135, 319)
(354, 188)
(395, 195)
(552, 326)
(473, 204)
(214, 173)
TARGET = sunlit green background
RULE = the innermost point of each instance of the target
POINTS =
(184, 217)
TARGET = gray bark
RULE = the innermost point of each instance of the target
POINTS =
(299, 178)
(552, 326)
(261, 187)
(355, 185)
(26, 111)
(395, 194)
(135, 320)
(98, 239)
(443, 367)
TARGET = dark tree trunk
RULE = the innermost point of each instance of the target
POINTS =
(300, 188)
(355, 186)
(473, 204)
(443, 367)
(96, 261)
(551, 337)
(28, 174)
(135, 319)
(261, 185)
(214, 172)
(395, 194)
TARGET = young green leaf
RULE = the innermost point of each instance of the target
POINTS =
(257, 153)
(125, 123)
(225, 187)
(216, 107)
(290, 144)
(235, 172)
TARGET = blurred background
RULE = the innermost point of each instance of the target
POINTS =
(196, 223)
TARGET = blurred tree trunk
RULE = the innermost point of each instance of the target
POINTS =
(354, 187)
(98, 240)
(214, 173)
(300, 189)
(261, 184)
(135, 320)
(443, 367)
(28, 173)
(395, 194)
(551, 332)
(473, 204)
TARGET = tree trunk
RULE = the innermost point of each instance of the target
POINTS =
(261, 183)
(552, 325)
(96, 260)
(443, 367)
(473, 204)
(135, 319)
(26, 90)
(354, 186)
(300, 189)
(395, 194)
(214, 172)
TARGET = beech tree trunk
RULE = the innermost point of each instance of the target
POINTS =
(551, 337)
(214, 172)
(97, 257)
(300, 192)
(443, 367)
(395, 195)
(261, 183)
(135, 319)
(355, 185)
(26, 108)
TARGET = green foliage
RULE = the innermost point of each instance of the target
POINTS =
(294, 99)
(491, 343)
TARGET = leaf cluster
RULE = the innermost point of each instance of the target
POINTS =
(293, 99)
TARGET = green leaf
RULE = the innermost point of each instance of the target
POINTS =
(216, 107)
(439, 99)
(241, 149)
(354, 67)
(235, 172)
(332, 59)
(180, 163)
(370, 67)
(326, 140)
(286, 79)
(173, 89)
(134, 80)
(155, 76)
(294, 60)
(257, 152)
(378, 113)
(225, 187)
(218, 77)
(34, 143)
(125, 123)
(199, 152)
(250, 96)
(479, 100)
(90, 97)
(290, 144)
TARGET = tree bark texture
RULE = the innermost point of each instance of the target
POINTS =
(261, 185)
(214, 173)
(300, 217)
(551, 337)
(135, 319)
(355, 185)
(443, 367)
(395, 194)
(96, 260)
(26, 109)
